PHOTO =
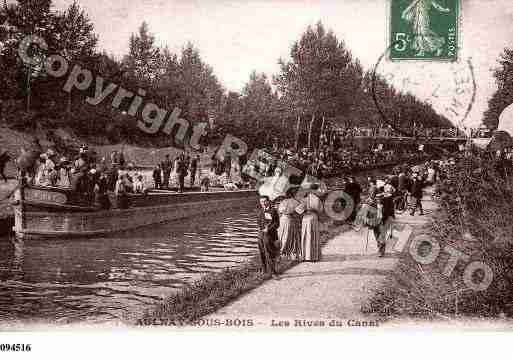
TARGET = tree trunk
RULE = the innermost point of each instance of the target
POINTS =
(68, 108)
(29, 88)
(298, 123)
(320, 134)
(310, 131)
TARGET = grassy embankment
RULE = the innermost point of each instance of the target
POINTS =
(476, 218)
(216, 290)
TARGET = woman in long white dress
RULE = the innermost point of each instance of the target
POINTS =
(288, 232)
(310, 235)
(425, 39)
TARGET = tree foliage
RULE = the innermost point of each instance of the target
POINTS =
(320, 80)
(503, 97)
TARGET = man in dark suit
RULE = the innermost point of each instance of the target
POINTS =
(354, 190)
(4, 158)
(167, 166)
(181, 171)
(194, 168)
(157, 177)
(416, 187)
(403, 183)
(268, 223)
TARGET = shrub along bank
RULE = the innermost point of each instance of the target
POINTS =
(475, 217)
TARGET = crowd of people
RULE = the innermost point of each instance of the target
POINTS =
(94, 179)
(289, 226)
(331, 160)
(415, 131)
(181, 166)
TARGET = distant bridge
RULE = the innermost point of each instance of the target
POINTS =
(363, 142)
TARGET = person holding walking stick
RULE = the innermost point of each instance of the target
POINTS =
(376, 214)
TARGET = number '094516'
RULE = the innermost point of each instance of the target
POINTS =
(15, 347)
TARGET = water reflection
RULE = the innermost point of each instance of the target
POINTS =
(107, 278)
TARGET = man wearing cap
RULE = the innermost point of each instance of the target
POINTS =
(416, 194)
(354, 190)
(385, 209)
(194, 168)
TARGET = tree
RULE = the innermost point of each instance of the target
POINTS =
(321, 76)
(503, 97)
(144, 59)
(258, 99)
(29, 17)
(77, 39)
(201, 91)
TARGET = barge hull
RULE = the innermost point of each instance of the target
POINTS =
(31, 224)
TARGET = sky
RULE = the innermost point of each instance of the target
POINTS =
(237, 37)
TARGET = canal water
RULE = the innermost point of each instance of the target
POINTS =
(105, 279)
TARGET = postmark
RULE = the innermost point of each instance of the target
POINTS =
(424, 29)
(449, 88)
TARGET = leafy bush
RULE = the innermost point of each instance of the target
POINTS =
(476, 217)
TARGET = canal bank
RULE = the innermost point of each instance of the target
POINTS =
(332, 292)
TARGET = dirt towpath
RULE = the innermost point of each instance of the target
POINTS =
(330, 292)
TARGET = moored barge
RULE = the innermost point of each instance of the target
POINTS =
(59, 213)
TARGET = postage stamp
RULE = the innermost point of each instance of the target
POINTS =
(424, 29)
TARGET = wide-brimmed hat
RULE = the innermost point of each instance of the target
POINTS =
(379, 195)
(388, 190)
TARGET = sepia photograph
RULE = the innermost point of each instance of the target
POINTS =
(270, 166)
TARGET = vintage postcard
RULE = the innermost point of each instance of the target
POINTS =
(255, 165)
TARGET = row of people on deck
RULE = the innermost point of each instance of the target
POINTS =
(181, 166)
